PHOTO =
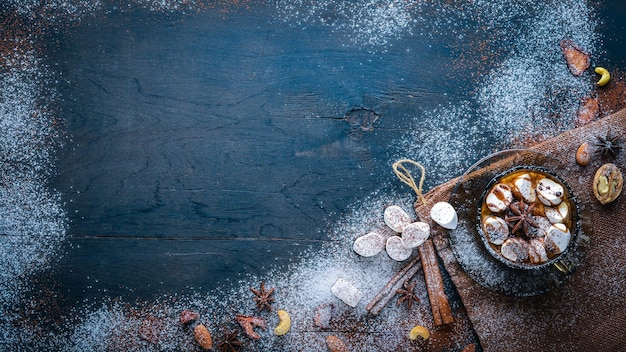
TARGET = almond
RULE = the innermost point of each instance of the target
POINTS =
(583, 154)
(203, 337)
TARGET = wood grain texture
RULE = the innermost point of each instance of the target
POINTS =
(196, 131)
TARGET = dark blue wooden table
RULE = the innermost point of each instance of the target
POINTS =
(206, 142)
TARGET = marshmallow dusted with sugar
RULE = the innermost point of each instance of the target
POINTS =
(396, 218)
(444, 214)
(369, 245)
(346, 292)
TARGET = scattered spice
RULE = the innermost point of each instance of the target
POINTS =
(323, 314)
(588, 111)
(150, 329)
(577, 59)
(187, 316)
(407, 294)
(263, 298)
(230, 342)
(521, 216)
(609, 145)
(388, 291)
(248, 323)
(442, 312)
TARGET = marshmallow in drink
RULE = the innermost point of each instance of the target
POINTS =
(543, 225)
(549, 192)
(524, 188)
(396, 218)
(557, 214)
(369, 245)
(499, 198)
(444, 214)
(496, 229)
(557, 239)
(397, 250)
(415, 234)
(346, 292)
(515, 249)
(537, 252)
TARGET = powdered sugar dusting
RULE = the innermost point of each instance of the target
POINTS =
(529, 90)
(299, 289)
(531, 93)
(369, 22)
(446, 141)
(55, 10)
(532, 90)
(190, 6)
(32, 221)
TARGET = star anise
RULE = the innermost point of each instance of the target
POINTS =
(522, 217)
(263, 298)
(407, 293)
(609, 145)
(230, 342)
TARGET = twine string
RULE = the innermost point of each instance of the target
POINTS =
(405, 176)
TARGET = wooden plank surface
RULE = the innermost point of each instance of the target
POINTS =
(204, 146)
(220, 131)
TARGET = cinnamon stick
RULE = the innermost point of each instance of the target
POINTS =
(388, 291)
(442, 313)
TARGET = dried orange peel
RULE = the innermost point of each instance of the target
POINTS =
(419, 331)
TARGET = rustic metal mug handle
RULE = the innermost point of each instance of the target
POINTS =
(564, 267)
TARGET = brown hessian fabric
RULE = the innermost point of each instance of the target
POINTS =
(588, 311)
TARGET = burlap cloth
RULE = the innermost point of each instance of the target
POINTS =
(588, 311)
